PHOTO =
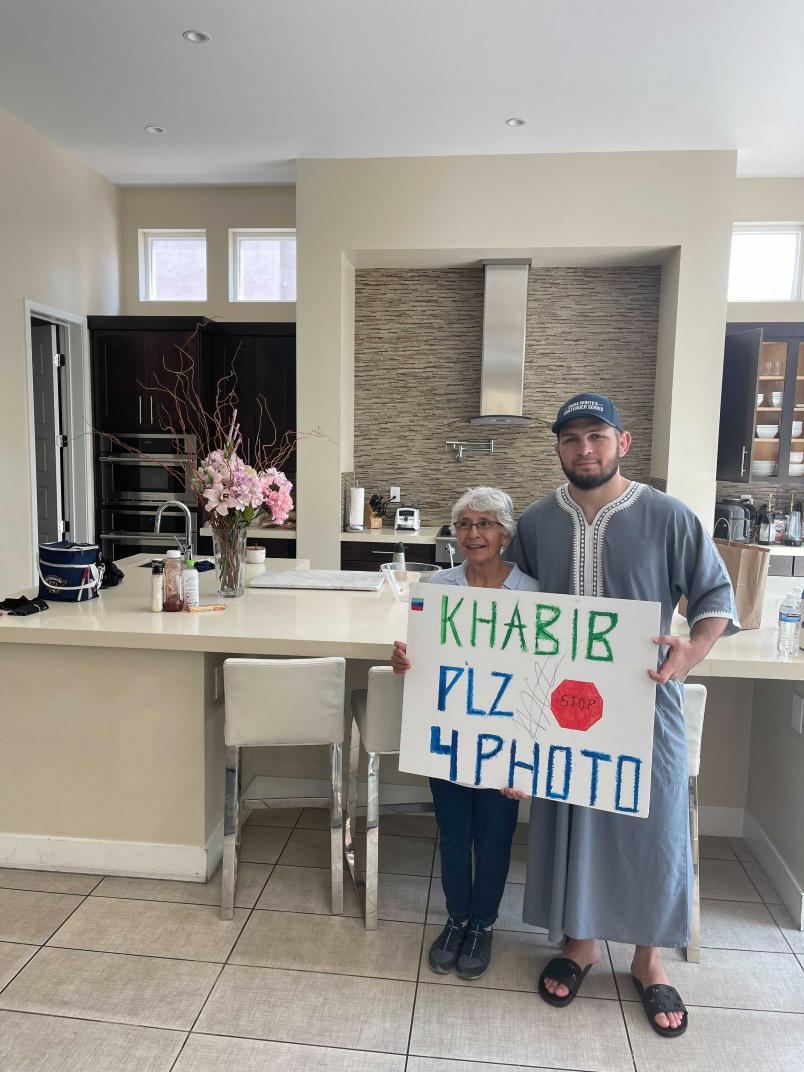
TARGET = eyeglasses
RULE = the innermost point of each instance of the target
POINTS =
(483, 525)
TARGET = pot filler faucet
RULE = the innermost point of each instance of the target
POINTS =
(188, 522)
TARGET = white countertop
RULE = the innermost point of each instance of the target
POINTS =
(359, 625)
(390, 535)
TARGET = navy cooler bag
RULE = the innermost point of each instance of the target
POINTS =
(69, 572)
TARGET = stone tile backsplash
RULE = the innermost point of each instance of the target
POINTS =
(418, 336)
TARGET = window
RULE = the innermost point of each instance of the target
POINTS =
(173, 266)
(765, 263)
(262, 265)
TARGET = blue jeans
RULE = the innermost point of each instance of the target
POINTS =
(479, 819)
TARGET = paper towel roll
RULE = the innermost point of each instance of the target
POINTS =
(356, 501)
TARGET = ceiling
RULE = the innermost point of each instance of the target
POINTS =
(350, 78)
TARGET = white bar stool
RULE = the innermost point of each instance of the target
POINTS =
(376, 722)
(694, 704)
(274, 702)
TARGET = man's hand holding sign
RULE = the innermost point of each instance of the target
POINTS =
(533, 693)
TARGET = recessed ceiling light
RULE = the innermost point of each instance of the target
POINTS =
(515, 122)
(198, 37)
(155, 130)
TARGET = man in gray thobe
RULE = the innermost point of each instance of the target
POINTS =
(592, 874)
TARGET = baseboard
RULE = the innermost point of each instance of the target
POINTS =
(774, 866)
(131, 859)
(716, 821)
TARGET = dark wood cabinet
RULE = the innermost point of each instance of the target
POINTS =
(173, 359)
(362, 555)
(761, 433)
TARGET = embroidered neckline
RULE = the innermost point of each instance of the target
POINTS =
(582, 529)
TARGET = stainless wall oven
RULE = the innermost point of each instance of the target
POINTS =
(142, 477)
(134, 485)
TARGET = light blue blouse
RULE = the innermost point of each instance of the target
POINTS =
(516, 579)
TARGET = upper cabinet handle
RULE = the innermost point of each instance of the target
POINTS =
(139, 400)
(742, 461)
(151, 400)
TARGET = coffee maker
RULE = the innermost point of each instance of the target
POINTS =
(734, 520)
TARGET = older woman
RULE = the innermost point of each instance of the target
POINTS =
(479, 820)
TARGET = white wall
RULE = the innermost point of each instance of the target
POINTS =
(768, 201)
(215, 208)
(59, 247)
(513, 204)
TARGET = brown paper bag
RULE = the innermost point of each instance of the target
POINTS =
(748, 568)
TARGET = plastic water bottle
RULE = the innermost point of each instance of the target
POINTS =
(789, 626)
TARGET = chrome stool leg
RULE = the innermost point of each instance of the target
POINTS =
(694, 948)
(372, 838)
(336, 827)
(231, 832)
(350, 812)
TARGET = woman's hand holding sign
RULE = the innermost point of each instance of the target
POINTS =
(400, 663)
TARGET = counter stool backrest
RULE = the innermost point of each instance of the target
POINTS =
(694, 704)
(381, 723)
(284, 701)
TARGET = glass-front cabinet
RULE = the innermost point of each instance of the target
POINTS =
(762, 404)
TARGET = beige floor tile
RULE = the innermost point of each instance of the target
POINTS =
(33, 917)
(794, 936)
(307, 1007)
(741, 850)
(719, 1040)
(12, 958)
(250, 880)
(437, 1064)
(510, 913)
(398, 855)
(726, 880)
(740, 925)
(715, 848)
(151, 928)
(338, 944)
(212, 1053)
(314, 819)
(726, 978)
(307, 889)
(516, 871)
(262, 844)
(485, 1025)
(31, 1043)
(767, 891)
(144, 991)
(286, 817)
(800, 959)
(516, 963)
(47, 881)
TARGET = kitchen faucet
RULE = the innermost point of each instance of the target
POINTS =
(188, 520)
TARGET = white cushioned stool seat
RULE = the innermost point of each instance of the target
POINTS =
(380, 731)
(278, 702)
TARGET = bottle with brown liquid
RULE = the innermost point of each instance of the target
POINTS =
(174, 599)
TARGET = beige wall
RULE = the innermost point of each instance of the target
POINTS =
(215, 208)
(60, 247)
(768, 201)
(511, 204)
(775, 784)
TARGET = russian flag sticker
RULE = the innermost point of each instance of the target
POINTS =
(417, 604)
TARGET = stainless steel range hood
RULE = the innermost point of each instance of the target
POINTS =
(505, 303)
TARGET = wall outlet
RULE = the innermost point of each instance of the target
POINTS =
(797, 720)
(395, 494)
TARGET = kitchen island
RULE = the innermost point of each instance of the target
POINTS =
(111, 723)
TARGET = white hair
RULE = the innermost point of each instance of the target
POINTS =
(487, 501)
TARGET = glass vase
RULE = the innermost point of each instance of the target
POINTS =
(229, 547)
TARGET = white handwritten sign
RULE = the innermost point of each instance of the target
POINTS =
(546, 693)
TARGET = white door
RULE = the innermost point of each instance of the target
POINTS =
(49, 439)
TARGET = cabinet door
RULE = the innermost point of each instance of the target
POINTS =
(168, 353)
(120, 375)
(231, 381)
(738, 403)
(275, 392)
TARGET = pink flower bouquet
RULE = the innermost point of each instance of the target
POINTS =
(234, 493)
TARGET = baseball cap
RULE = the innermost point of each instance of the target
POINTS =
(588, 405)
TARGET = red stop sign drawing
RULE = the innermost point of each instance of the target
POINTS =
(577, 705)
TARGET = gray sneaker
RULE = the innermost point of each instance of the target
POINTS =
(475, 955)
(445, 949)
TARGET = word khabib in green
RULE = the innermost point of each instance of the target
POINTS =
(592, 628)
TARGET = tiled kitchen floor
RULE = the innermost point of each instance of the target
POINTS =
(142, 976)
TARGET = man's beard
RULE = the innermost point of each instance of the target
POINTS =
(590, 480)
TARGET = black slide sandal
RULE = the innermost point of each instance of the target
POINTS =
(662, 998)
(565, 971)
